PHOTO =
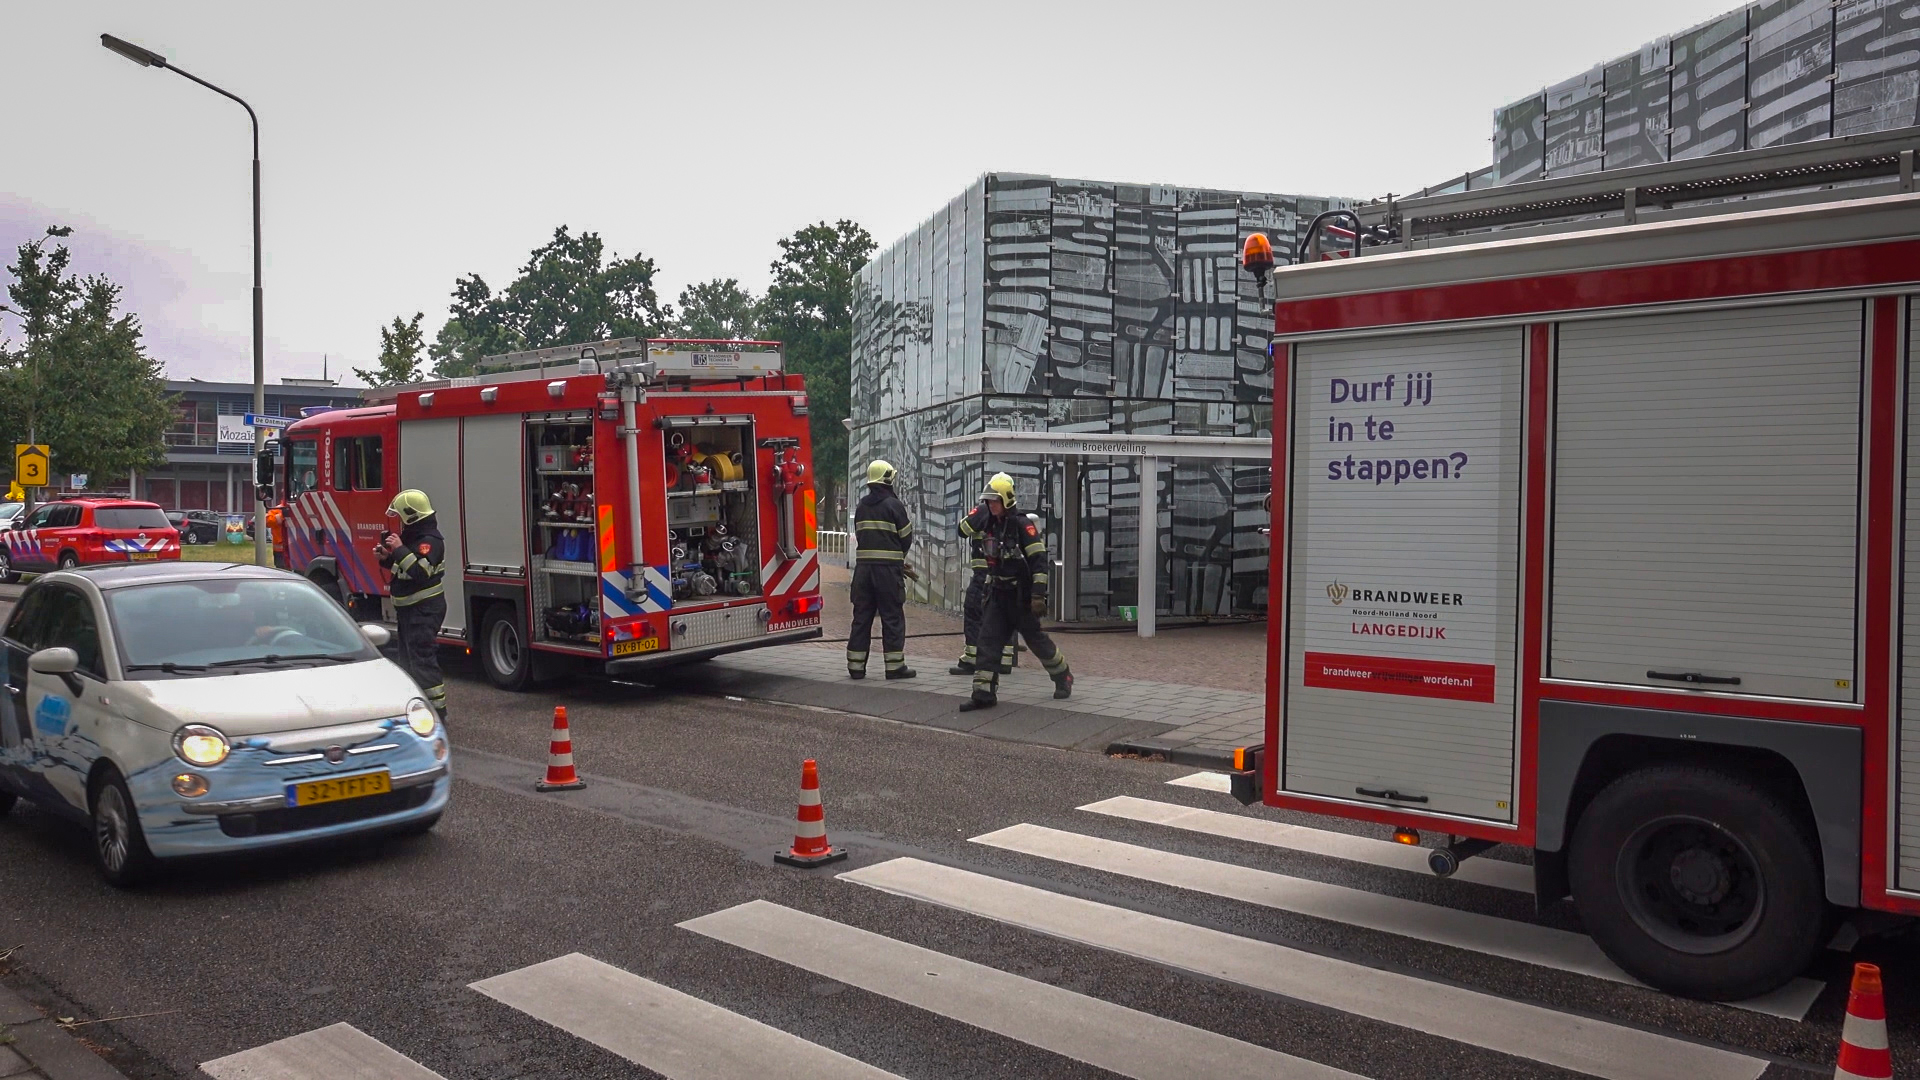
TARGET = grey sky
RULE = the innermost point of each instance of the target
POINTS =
(405, 144)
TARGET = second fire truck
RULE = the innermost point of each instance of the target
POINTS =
(619, 505)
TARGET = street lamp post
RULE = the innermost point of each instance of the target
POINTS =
(149, 58)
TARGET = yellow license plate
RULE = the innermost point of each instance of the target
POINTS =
(314, 792)
(143, 556)
(628, 648)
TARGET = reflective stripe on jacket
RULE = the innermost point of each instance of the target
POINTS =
(418, 565)
(881, 530)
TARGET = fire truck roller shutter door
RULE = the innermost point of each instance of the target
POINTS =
(1706, 492)
(430, 462)
(493, 529)
(1391, 687)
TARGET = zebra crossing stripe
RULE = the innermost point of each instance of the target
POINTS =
(660, 1028)
(340, 1052)
(1527, 943)
(1086, 1029)
(1334, 845)
(1205, 781)
(1583, 1045)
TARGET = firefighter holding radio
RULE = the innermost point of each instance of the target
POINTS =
(416, 557)
(1017, 584)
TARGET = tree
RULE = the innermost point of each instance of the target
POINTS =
(570, 291)
(717, 309)
(80, 380)
(400, 346)
(809, 306)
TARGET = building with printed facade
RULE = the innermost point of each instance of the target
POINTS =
(1032, 303)
(1768, 74)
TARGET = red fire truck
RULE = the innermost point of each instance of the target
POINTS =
(621, 504)
(1596, 530)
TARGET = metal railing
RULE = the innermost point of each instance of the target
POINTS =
(832, 543)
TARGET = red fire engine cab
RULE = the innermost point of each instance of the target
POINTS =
(621, 504)
(1596, 531)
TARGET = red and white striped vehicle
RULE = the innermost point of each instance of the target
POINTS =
(77, 532)
(621, 504)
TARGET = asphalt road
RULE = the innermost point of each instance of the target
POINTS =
(688, 799)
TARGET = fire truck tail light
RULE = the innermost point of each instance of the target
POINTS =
(805, 605)
(799, 404)
(1404, 835)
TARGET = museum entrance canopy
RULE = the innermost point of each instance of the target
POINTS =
(1073, 446)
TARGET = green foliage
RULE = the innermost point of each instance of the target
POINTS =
(79, 378)
(400, 346)
(809, 306)
(570, 291)
(717, 309)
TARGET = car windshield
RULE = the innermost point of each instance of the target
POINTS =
(228, 625)
(9, 511)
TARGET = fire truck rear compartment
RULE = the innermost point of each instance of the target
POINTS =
(713, 509)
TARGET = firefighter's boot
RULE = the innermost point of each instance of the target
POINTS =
(1063, 685)
(901, 673)
(964, 667)
(979, 701)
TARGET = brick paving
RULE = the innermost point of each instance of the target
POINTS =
(1204, 698)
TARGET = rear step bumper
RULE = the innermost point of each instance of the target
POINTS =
(627, 665)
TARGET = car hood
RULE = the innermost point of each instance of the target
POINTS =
(264, 702)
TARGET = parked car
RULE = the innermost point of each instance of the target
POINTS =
(198, 526)
(248, 712)
(85, 532)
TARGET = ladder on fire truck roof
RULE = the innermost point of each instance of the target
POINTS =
(1852, 167)
(665, 360)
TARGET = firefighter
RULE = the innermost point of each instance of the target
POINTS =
(882, 535)
(974, 607)
(1017, 582)
(416, 559)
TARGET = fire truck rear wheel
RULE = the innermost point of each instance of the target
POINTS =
(1698, 882)
(503, 649)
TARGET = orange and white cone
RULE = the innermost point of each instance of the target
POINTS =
(560, 774)
(1863, 1040)
(810, 847)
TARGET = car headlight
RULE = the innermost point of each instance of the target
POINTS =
(421, 718)
(200, 744)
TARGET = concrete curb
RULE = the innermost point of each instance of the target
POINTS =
(1199, 757)
(44, 1049)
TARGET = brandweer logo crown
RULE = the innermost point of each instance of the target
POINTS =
(1337, 593)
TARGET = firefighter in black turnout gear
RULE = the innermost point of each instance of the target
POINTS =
(1017, 582)
(416, 558)
(975, 608)
(882, 535)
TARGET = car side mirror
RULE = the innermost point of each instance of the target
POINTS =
(378, 636)
(60, 661)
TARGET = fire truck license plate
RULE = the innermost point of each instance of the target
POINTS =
(628, 648)
(337, 788)
(142, 556)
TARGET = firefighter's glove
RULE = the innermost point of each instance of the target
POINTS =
(1038, 605)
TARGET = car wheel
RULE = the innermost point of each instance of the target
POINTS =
(1698, 882)
(8, 575)
(119, 846)
(69, 561)
(503, 649)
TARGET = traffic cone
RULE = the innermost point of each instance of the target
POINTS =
(1863, 1040)
(810, 847)
(560, 774)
